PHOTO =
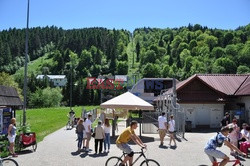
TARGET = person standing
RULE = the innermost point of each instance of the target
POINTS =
(107, 128)
(87, 126)
(226, 120)
(162, 124)
(12, 136)
(103, 117)
(79, 131)
(171, 130)
(234, 134)
(243, 132)
(99, 136)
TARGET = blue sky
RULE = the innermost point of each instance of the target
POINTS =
(126, 14)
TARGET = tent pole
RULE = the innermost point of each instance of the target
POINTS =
(140, 117)
(113, 124)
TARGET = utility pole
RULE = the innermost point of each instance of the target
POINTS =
(133, 50)
(70, 85)
(25, 67)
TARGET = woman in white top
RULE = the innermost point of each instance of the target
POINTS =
(107, 128)
(171, 129)
(243, 132)
(12, 136)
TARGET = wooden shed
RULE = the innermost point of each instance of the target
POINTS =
(9, 102)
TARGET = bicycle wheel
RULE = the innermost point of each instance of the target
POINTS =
(113, 161)
(9, 162)
(150, 162)
(34, 147)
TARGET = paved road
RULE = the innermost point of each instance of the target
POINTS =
(58, 149)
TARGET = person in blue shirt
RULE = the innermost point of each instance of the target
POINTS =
(217, 141)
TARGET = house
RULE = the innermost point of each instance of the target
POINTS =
(9, 102)
(58, 80)
(149, 88)
(206, 97)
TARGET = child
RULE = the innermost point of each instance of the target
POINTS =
(217, 141)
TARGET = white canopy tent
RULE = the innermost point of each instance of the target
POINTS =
(127, 101)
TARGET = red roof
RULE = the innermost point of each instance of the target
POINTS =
(225, 83)
(229, 84)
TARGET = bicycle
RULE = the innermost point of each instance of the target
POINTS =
(70, 124)
(235, 162)
(8, 162)
(116, 161)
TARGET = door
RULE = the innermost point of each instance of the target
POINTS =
(202, 116)
(190, 115)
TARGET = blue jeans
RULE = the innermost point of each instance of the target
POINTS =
(80, 138)
(107, 141)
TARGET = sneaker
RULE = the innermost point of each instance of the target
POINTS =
(87, 149)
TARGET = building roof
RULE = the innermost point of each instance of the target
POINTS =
(51, 76)
(228, 84)
(244, 88)
(9, 97)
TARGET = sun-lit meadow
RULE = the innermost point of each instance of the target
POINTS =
(44, 121)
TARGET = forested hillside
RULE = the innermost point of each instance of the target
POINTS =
(182, 52)
(89, 52)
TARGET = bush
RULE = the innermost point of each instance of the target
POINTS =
(49, 97)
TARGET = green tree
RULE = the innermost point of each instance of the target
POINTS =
(151, 71)
(224, 65)
(122, 68)
(243, 69)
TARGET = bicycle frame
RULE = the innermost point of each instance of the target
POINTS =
(236, 161)
(141, 155)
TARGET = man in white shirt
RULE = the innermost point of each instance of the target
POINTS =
(162, 124)
(87, 125)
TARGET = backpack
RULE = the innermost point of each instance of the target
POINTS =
(217, 142)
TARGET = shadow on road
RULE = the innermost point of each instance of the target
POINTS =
(163, 147)
(26, 151)
(204, 130)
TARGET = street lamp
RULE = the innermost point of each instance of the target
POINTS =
(25, 67)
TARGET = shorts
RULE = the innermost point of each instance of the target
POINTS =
(162, 132)
(213, 154)
(88, 136)
(84, 134)
(124, 147)
(12, 139)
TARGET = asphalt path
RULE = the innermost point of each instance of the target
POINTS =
(59, 149)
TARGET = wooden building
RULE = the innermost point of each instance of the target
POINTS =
(206, 97)
(9, 102)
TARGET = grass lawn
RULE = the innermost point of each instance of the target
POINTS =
(44, 121)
